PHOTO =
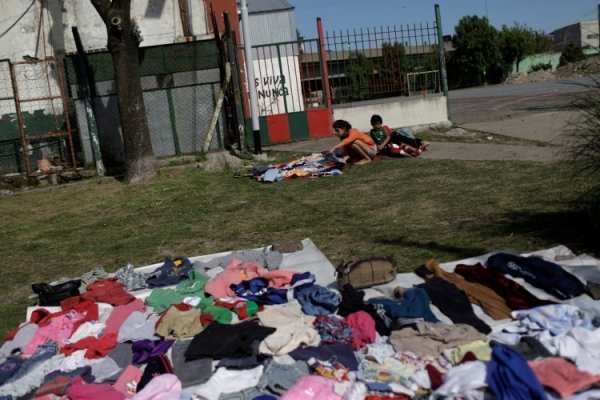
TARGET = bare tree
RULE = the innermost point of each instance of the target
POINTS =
(123, 42)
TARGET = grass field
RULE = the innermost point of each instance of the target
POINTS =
(411, 209)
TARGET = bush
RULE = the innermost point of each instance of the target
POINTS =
(585, 150)
(541, 67)
(571, 53)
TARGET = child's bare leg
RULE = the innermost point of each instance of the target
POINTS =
(361, 149)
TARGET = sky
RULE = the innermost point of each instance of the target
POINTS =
(541, 15)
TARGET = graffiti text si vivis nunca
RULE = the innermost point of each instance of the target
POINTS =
(272, 86)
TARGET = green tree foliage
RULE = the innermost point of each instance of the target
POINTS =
(476, 51)
(543, 42)
(571, 53)
(358, 72)
(394, 65)
(519, 41)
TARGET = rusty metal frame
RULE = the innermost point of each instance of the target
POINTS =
(26, 139)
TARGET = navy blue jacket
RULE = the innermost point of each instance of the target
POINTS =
(540, 273)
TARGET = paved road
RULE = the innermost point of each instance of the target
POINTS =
(500, 102)
(537, 111)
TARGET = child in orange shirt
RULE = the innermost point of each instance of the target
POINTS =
(357, 146)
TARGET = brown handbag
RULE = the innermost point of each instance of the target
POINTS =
(367, 272)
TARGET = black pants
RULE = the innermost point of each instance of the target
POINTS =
(454, 303)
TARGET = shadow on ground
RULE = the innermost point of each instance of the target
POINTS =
(570, 228)
(435, 247)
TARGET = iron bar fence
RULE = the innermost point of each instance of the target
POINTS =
(378, 62)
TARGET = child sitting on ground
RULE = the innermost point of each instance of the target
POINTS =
(383, 137)
(357, 146)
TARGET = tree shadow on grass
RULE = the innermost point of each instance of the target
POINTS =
(435, 247)
(571, 228)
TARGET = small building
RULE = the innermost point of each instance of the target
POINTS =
(584, 33)
(271, 21)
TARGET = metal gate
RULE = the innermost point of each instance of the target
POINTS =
(291, 91)
(39, 114)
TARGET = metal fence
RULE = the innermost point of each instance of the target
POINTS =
(383, 62)
(33, 116)
(288, 77)
(180, 84)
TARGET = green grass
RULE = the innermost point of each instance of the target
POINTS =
(411, 209)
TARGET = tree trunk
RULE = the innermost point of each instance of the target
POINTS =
(123, 43)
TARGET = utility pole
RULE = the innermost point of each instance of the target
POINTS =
(250, 78)
(486, 11)
(442, 55)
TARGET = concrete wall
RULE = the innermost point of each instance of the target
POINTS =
(584, 33)
(589, 34)
(397, 112)
(529, 62)
(552, 58)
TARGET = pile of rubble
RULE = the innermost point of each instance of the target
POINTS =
(537, 76)
(589, 66)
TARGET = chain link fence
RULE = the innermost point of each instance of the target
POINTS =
(180, 83)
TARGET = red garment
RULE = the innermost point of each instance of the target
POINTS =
(180, 307)
(57, 386)
(435, 376)
(96, 347)
(363, 329)
(87, 307)
(40, 316)
(108, 290)
(239, 307)
(80, 390)
(206, 319)
(469, 356)
(515, 295)
(562, 376)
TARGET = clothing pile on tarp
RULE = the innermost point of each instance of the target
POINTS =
(314, 165)
(271, 323)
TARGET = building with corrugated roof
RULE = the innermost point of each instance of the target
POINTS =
(271, 21)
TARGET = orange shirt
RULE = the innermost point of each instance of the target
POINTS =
(355, 134)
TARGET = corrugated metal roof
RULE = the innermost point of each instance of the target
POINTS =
(272, 27)
(256, 6)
